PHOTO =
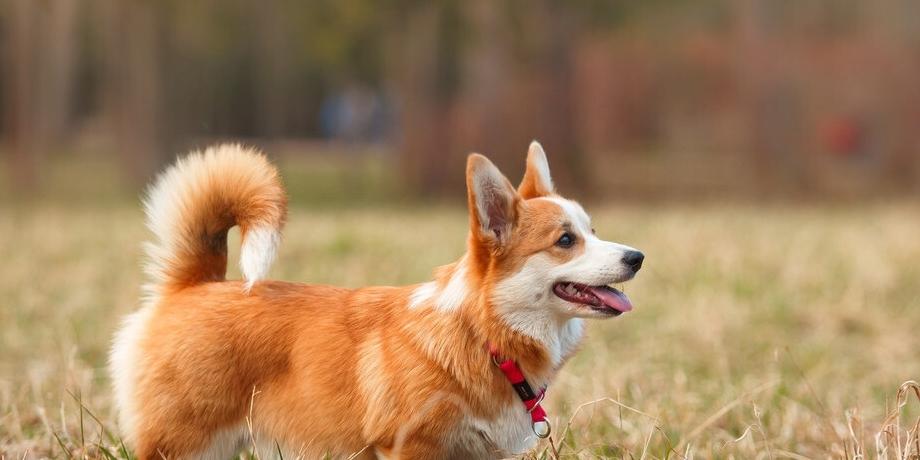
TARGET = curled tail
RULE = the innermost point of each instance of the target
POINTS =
(193, 204)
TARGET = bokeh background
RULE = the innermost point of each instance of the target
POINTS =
(764, 154)
(655, 99)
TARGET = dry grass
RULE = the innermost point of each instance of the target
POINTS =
(759, 332)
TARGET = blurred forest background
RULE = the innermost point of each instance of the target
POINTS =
(771, 148)
(652, 99)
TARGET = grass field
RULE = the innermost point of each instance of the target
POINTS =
(759, 332)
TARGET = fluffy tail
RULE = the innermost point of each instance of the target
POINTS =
(193, 204)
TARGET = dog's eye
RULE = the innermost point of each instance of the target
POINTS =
(566, 240)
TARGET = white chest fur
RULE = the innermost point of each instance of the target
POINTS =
(511, 432)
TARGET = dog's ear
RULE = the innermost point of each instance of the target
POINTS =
(492, 201)
(536, 182)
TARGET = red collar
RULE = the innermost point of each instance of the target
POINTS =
(524, 391)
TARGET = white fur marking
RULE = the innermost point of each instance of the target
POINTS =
(125, 361)
(510, 431)
(225, 443)
(163, 208)
(269, 447)
(422, 294)
(577, 215)
(455, 292)
(570, 337)
(258, 253)
(540, 324)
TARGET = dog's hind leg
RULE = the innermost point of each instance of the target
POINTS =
(182, 441)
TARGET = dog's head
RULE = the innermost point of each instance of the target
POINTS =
(538, 251)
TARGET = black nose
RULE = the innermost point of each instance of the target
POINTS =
(633, 260)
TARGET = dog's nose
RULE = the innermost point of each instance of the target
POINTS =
(633, 260)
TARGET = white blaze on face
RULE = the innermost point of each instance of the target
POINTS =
(526, 300)
(601, 262)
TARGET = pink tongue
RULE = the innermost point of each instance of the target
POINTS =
(612, 298)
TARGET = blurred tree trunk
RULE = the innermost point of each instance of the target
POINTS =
(272, 68)
(749, 56)
(39, 49)
(422, 78)
(773, 98)
(900, 96)
(132, 84)
(58, 70)
(487, 69)
(554, 126)
(438, 130)
(19, 106)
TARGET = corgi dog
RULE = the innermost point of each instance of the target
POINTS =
(455, 367)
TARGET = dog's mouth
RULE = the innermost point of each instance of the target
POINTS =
(604, 299)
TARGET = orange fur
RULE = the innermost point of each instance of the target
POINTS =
(320, 369)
